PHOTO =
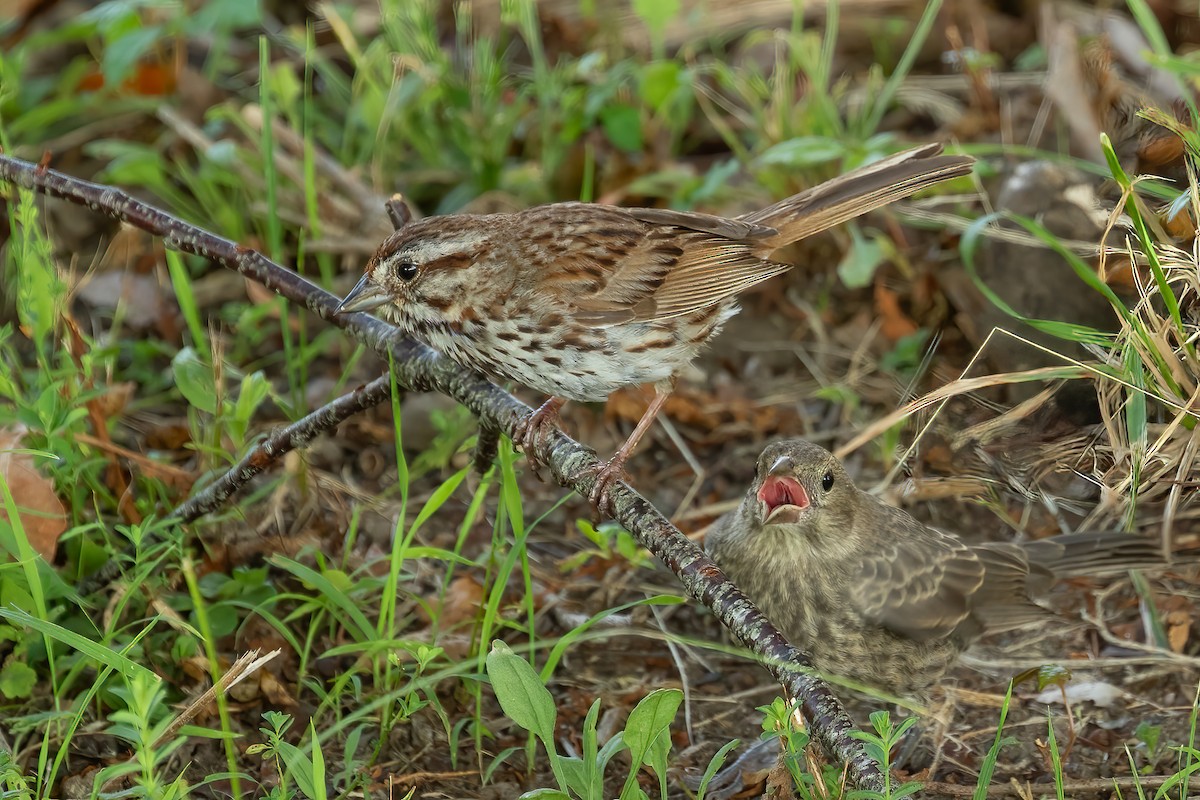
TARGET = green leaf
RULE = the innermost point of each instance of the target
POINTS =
(714, 765)
(255, 388)
(195, 380)
(333, 585)
(545, 794)
(523, 697)
(224, 15)
(650, 718)
(299, 768)
(17, 679)
(1148, 734)
(862, 259)
(803, 151)
(656, 14)
(658, 82)
(1052, 674)
(318, 763)
(591, 779)
(101, 653)
(623, 126)
(648, 732)
(575, 774)
(39, 289)
(122, 54)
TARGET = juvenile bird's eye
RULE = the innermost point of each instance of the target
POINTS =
(406, 271)
(827, 481)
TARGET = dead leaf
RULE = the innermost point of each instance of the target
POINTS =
(115, 397)
(42, 515)
(1179, 626)
(140, 297)
(463, 598)
(894, 323)
(275, 691)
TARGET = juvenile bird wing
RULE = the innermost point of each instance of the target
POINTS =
(917, 582)
(1011, 580)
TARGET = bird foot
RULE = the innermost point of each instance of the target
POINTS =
(531, 432)
(605, 475)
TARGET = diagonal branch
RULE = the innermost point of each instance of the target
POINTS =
(419, 368)
(280, 442)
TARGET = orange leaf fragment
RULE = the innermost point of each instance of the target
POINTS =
(41, 514)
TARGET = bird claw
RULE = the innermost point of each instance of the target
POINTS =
(605, 475)
(530, 433)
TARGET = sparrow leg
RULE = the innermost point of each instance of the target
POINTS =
(534, 428)
(615, 468)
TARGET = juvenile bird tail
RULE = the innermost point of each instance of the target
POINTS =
(1095, 553)
(855, 193)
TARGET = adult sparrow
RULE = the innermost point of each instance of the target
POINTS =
(577, 300)
(871, 594)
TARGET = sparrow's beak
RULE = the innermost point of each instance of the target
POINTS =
(782, 466)
(782, 499)
(363, 297)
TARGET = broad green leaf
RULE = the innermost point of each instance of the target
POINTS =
(195, 380)
(857, 268)
(803, 151)
(648, 735)
(17, 679)
(623, 126)
(658, 81)
(523, 697)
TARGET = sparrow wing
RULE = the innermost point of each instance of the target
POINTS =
(684, 263)
(703, 223)
(920, 585)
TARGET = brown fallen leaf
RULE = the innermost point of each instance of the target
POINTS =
(1179, 627)
(464, 597)
(894, 323)
(276, 692)
(41, 514)
(140, 295)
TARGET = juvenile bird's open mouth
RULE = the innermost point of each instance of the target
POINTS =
(784, 500)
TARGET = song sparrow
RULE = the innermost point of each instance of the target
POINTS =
(578, 300)
(871, 594)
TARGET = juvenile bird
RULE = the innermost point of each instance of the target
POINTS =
(578, 300)
(871, 594)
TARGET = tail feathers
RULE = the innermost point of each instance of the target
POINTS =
(855, 193)
(1095, 553)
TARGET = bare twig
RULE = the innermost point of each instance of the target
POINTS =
(419, 368)
(280, 442)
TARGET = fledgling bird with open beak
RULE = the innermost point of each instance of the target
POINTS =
(876, 597)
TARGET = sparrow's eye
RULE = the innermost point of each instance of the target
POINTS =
(827, 481)
(406, 271)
